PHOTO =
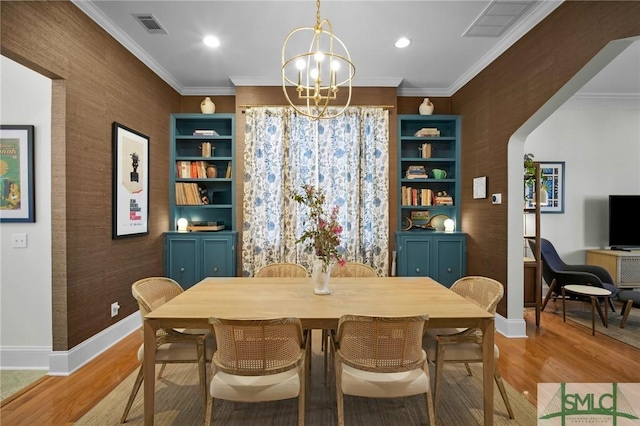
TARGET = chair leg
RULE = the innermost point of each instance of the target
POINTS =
(625, 313)
(466, 364)
(162, 367)
(339, 395)
(134, 391)
(302, 396)
(438, 379)
(548, 295)
(209, 411)
(430, 411)
(202, 370)
(503, 392)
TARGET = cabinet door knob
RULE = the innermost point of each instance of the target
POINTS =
(181, 269)
(215, 269)
(418, 270)
(449, 270)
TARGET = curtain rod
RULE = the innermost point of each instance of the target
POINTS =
(364, 106)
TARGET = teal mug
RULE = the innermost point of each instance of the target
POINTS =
(439, 174)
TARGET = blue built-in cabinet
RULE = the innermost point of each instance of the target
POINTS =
(429, 142)
(191, 257)
(196, 173)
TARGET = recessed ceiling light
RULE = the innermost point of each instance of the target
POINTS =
(211, 41)
(403, 42)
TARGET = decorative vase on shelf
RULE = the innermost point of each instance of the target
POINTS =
(426, 107)
(207, 106)
(320, 275)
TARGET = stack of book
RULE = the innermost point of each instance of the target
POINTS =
(205, 133)
(444, 200)
(428, 132)
(416, 172)
(205, 226)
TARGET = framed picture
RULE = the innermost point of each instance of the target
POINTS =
(553, 183)
(17, 186)
(130, 182)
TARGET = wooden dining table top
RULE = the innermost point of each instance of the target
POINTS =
(263, 298)
(254, 298)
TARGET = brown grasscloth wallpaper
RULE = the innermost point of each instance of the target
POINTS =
(96, 81)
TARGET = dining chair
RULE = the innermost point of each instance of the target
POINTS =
(172, 345)
(282, 270)
(459, 345)
(258, 361)
(349, 269)
(381, 357)
(353, 269)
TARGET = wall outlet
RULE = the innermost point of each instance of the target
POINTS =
(115, 307)
(19, 240)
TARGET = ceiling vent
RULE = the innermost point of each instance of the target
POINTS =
(497, 18)
(149, 22)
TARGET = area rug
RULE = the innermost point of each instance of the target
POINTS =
(580, 312)
(177, 402)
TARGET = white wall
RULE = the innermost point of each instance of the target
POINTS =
(25, 275)
(599, 141)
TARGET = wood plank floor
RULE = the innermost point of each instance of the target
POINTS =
(555, 352)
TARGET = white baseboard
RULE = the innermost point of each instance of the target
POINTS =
(63, 363)
(511, 328)
(25, 357)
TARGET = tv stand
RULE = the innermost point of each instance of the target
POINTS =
(625, 248)
(624, 266)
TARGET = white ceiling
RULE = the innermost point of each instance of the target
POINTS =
(437, 63)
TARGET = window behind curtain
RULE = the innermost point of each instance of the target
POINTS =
(347, 156)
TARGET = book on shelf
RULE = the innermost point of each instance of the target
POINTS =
(416, 172)
(428, 132)
(204, 132)
(416, 196)
(426, 150)
(444, 200)
(189, 194)
(191, 169)
(228, 174)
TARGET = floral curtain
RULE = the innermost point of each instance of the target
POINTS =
(347, 156)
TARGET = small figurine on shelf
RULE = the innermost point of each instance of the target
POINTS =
(204, 197)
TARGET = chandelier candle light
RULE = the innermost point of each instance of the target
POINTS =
(318, 72)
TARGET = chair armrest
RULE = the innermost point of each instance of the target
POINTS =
(576, 277)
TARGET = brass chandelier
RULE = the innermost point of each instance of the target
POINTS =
(319, 72)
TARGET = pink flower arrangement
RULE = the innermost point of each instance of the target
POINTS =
(323, 234)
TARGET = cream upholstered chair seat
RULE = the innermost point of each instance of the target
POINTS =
(455, 345)
(258, 361)
(172, 345)
(380, 357)
(282, 270)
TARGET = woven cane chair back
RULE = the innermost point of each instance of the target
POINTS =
(282, 270)
(353, 269)
(483, 291)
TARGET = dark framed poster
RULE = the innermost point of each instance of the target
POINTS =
(17, 186)
(130, 182)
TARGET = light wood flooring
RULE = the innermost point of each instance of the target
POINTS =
(555, 352)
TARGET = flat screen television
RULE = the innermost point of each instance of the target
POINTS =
(624, 222)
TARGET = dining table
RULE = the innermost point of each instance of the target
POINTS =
(264, 298)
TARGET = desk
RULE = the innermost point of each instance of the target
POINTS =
(245, 298)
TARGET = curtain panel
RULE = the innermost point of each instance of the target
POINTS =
(347, 156)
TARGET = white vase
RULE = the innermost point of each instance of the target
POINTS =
(320, 277)
(426, 107)
(207, 106)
